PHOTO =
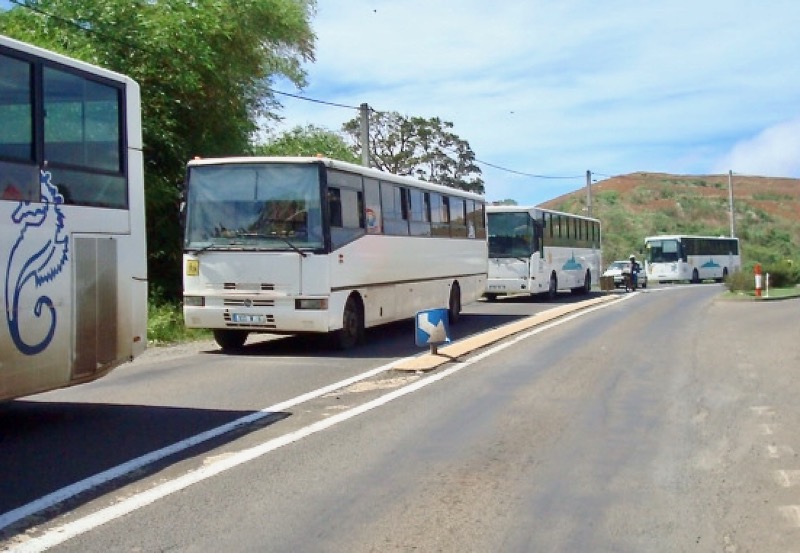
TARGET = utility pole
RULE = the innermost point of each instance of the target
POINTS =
(589, 193)
(364, 109)
(730, 202)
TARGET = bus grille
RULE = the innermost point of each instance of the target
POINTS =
(264, 287)
(236, 302)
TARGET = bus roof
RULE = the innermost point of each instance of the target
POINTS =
(342, 166)
(37, 51)
(681, 236)
(534, 211)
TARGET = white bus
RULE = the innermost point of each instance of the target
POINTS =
(673, 258)
(539, 251)
(312, 245)
(72, 230)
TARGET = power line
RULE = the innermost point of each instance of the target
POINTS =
(88, 29)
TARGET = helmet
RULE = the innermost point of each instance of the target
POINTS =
(632, 256)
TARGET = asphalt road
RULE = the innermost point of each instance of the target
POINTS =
(664, 422)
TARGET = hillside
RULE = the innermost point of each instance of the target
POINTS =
(630, 207)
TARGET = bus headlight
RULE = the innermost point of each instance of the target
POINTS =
(194, 301)
(311, 303)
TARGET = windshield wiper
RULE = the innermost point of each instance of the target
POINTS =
(204, 248)
(267, 236)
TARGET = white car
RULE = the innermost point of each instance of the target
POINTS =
(616, 270)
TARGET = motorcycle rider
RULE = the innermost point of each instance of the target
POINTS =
(633, 281)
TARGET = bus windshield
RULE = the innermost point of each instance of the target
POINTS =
(253, 206)
(510, 234)
(663, 251)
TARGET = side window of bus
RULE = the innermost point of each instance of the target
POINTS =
(346, 208)
(440, 225)
(394, 221)
(83, 139)
(372, 206)
(458, 218)
(476, 219)
(419, 221)
(20, 179)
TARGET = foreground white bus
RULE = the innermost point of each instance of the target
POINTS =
(673, 258)
(72, 229)
(312, 245)
(539, 251)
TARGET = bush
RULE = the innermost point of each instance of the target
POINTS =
(782, 275)
(740, 281)
(165, 324)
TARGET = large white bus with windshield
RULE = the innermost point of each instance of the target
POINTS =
(674, 258)
(311, 245)
(533, 250)
(72, 228)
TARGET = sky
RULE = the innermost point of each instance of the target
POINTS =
(548, 90)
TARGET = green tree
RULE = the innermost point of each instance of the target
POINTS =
(425, 148)
(205, 69)
(308, 141)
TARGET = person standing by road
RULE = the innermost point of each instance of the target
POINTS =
(632, 281)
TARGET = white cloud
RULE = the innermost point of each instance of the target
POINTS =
(773, 152)
(560, 88)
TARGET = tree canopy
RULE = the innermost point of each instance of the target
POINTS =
(424, 148)
(204, 67)
(308, 141)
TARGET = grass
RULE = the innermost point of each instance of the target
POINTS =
(772, 294)
(165, 325)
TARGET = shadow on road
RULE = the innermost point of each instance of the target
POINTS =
(397, 339)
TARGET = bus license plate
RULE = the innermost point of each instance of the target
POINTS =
(245, 318)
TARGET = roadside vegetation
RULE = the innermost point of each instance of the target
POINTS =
(766, 216)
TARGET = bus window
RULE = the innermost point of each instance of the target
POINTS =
(458, 216)
(16, 110)
(392, 207)
(419, 220)
(83, 139)
(372, 203)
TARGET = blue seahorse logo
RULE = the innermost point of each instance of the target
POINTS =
(37, 257)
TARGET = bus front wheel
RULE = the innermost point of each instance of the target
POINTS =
(230, 340)
(352, 331)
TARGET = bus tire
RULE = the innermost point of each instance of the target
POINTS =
(352, 331)
(695, 277)
(230, 340)
(587, 285)
(724, 275)
(552, 289)
(454, 304)
(491, 297)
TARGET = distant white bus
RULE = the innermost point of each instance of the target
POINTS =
(72, 226)
(311, 245)
(539, 251)
(674, 258)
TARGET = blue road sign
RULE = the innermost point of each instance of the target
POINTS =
(432, 328)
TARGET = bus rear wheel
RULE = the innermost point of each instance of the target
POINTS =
(587, 285)
(552, 289)
(352, 331)
(695, 277)
(454, 305)
(230, 340)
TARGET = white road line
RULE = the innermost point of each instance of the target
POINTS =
(787, 478)
(792, 514)
(56, 497)
(67, 531)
